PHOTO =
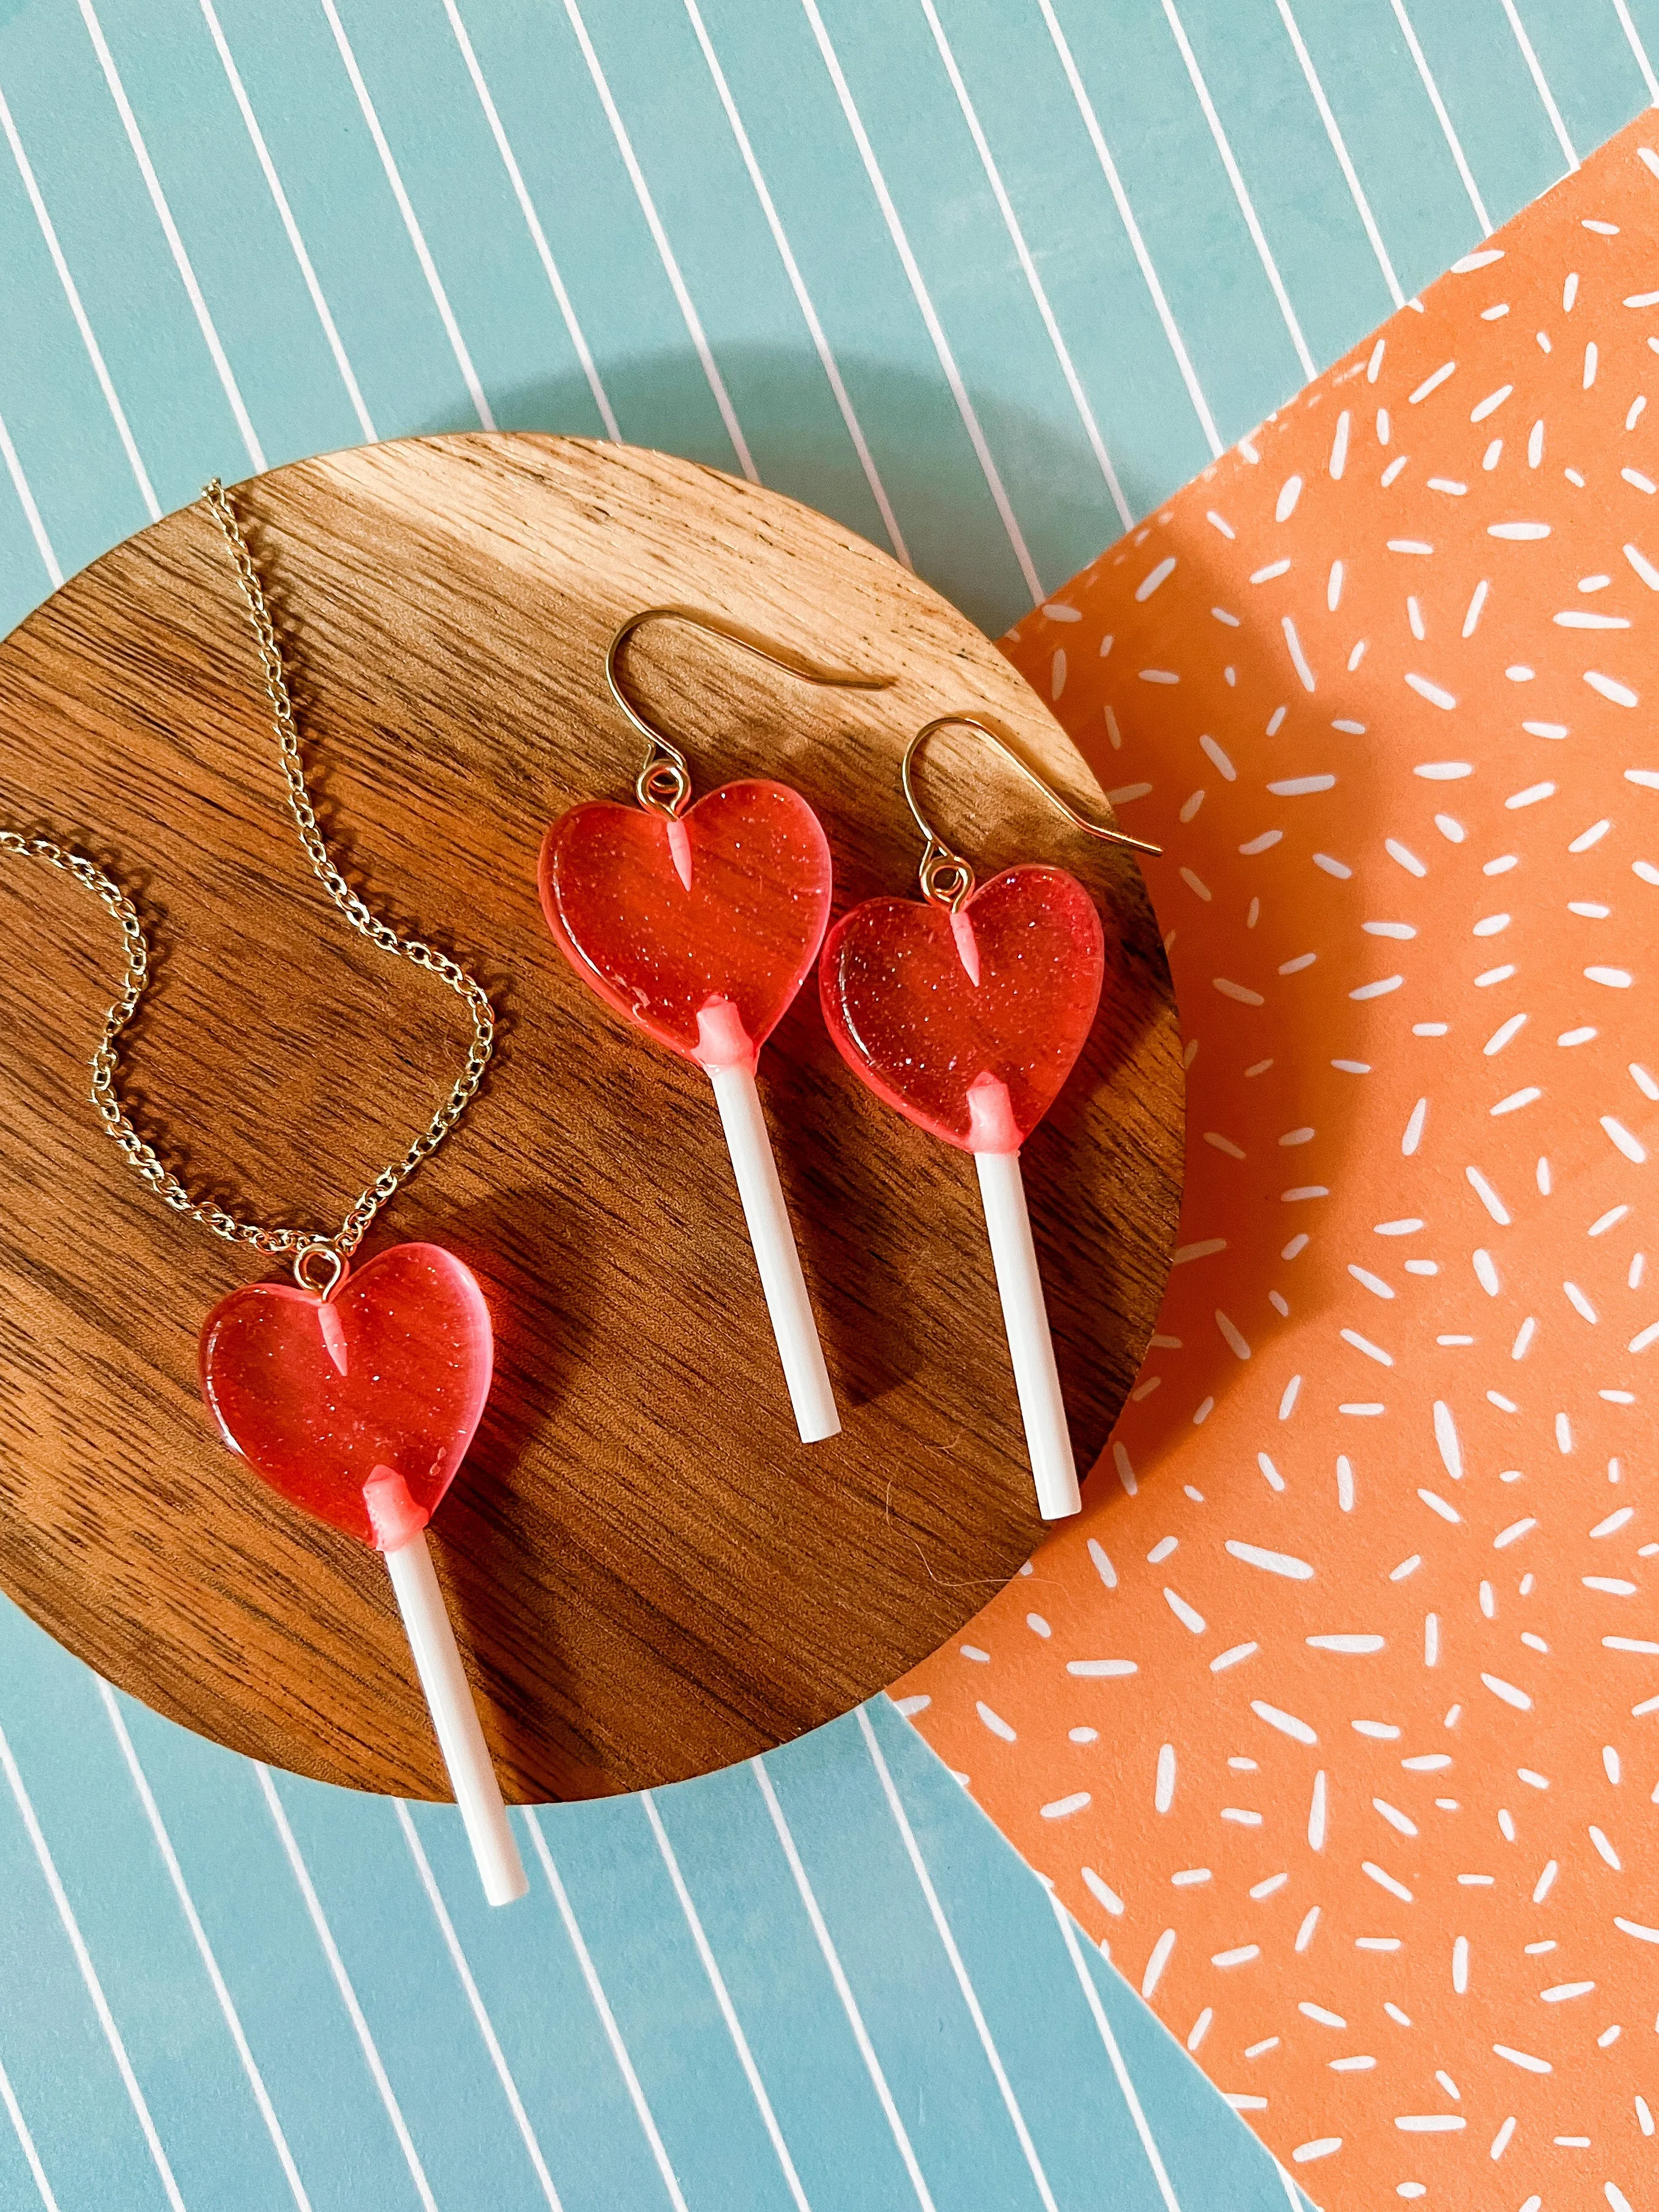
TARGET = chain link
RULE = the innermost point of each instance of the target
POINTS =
(140, 1155)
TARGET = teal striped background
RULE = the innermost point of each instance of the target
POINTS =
(986, 279)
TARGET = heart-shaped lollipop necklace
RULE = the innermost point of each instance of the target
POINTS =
(967, 1012)
(699, 924)
(355, 1394)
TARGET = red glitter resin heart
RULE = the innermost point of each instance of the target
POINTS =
(381, 1386)
(700, 929)
(969, 1022)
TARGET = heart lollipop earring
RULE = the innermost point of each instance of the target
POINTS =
(699, 924)
(967, 1012)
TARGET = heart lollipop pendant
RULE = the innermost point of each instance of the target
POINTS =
(358, 1404)
(701, 928)
(358, 1407)
(969, 1022)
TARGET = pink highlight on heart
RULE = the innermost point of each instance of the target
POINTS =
(722, 1040)
(334, 1337)
(991, 1124)
(962, 929)
(969, 1023)
(700, 929)
(359, 1409)
(393, 1515)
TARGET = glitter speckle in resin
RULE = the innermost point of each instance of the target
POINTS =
(970, 1023)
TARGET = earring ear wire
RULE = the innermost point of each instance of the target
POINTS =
(663, 783)
(947, 877)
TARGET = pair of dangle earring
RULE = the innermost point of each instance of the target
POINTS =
(700, 923)
(966, 1010)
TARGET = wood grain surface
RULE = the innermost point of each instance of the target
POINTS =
(650, 1576)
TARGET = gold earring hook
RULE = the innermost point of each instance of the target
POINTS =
(946, 877)
(664, 781)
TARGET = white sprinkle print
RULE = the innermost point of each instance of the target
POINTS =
(1317, 1817)
(1061, 1809)
(1298, 659)
(1103, 1893)
(1454, 1339)
(1610, 688)
(1156, 1962)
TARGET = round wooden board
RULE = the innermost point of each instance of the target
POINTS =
(649, 1575)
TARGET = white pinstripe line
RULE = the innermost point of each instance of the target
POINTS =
(843, 1987)
(919, 289)
(969, 1998)
(723, 1998)
(1246, 204)
(412, 221)
(181, 262)
(1177, 344)
(26, 2140)
(90, 1974)
(347, 1995)
(602, 2006)
(175, 1873)
(1444, 120)
(666, 252)
(19, 484)
(1640, 52)
(1541, 81)
(532, 222)
(1339, 146)
(1131, 2096)
(1039, 292)
(486, 2027)
(71, 293)
(1296, 2204)
(286, 213)
(798, 285)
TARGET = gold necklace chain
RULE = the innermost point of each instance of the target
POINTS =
(139, 1154)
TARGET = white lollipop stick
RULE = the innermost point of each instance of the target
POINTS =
(1030, 1347)
(448, 1696)
(727, 1058)
(773, 1237)
(1024, 1315)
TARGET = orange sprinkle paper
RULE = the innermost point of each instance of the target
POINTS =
(1337, 1713)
